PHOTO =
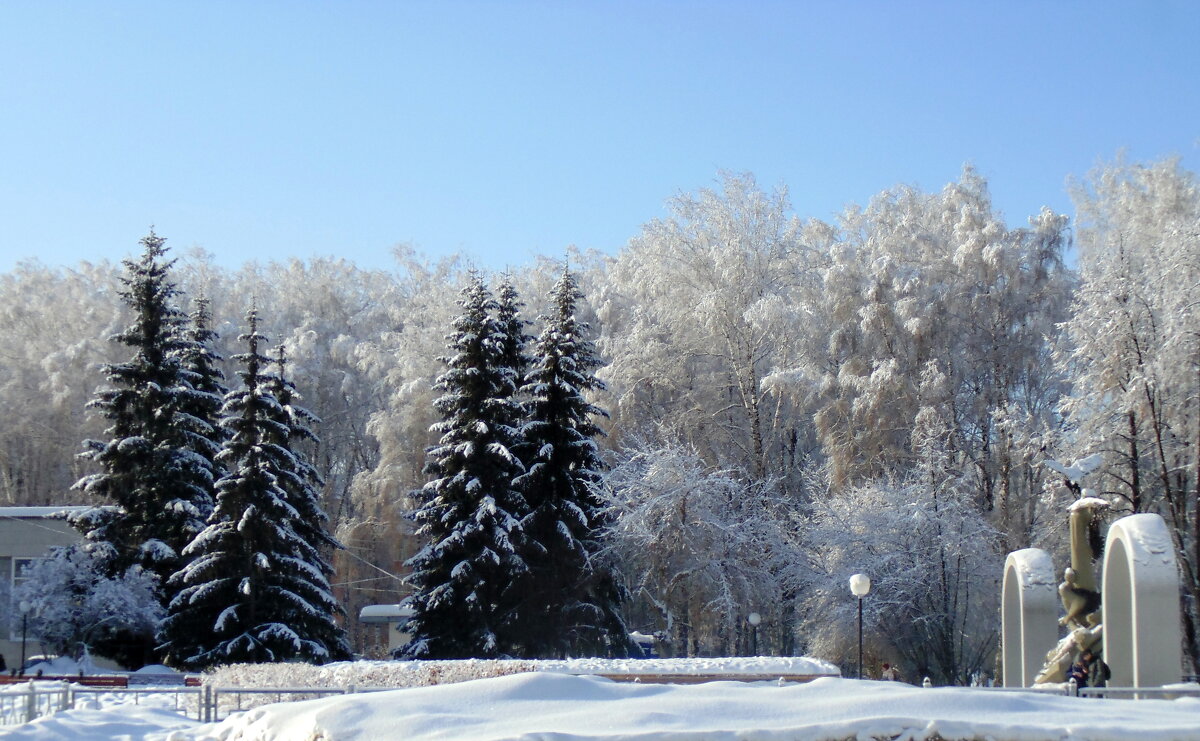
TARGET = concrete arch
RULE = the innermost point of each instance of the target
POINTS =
(1029, 615)
(1141, 603)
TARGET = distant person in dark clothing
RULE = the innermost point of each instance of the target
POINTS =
(1078, 672)
(1098, 672)
(889, 673)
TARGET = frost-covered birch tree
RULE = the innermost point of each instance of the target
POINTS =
(701, 548)
(932, 558)
(54, 325)
(1133, 349)
(682, 321)
(75, 608)
(931, 305)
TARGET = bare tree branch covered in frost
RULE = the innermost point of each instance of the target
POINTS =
(932, 559)
(73, 606)
(702, 547)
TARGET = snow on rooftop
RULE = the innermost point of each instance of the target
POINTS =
(384, 613)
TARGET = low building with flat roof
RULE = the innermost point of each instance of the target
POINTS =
(26, 536)
(388, 622)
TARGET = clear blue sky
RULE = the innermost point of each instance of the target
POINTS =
(265, 130)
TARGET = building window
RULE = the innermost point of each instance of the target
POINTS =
(20, 574)
(6, 606)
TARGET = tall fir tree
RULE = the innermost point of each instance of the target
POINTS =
(180, 637)
(156, 479)
(569, 602)
(514, 357)
(303, 489)
(469, 511)
(253, 579)
(513, 329)
(201, 365)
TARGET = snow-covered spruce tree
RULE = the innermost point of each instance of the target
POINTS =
(154, 471)
(252, 577)
(201, 365)
(469, 512)
(569, 603)
(514, 356)
(202, 369)
(303, 488)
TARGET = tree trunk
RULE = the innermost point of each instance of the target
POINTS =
(1135, 482)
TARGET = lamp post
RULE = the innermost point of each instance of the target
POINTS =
(24, 607)
(754, 619)
(860, 584)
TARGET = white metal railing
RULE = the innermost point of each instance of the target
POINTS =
(1070, 689)
(1140, 693)
(187, 701)
(222, 701)
(24, 703)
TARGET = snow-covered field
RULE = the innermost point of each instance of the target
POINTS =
(562, 707)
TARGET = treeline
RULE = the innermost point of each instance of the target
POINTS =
(791, 401)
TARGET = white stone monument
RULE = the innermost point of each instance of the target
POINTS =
(1142, 634)
(1135, 610)
(1029, 619)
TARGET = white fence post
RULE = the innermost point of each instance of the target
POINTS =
(31, 704)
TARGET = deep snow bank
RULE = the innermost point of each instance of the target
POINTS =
(571, 708)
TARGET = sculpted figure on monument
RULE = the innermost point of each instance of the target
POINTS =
(1082, 605)
(1079, 592)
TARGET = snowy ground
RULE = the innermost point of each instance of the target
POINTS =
(573, 708)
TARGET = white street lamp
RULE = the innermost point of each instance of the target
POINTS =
(860, 585)
(25, 607)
